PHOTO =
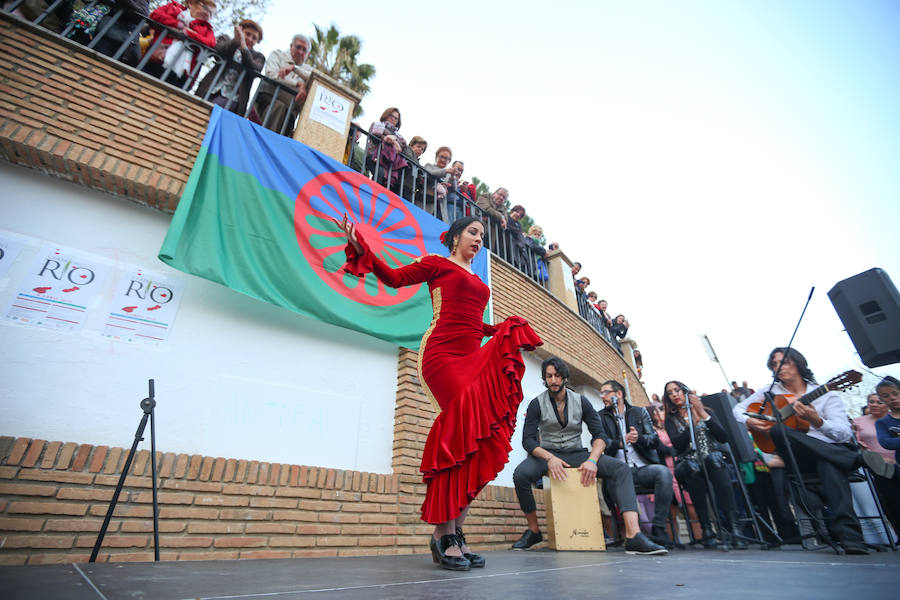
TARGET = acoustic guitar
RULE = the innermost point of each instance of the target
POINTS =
(783, 403)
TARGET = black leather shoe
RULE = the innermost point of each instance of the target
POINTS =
(876, 464)
(855, 547)
(528, 539)
(707, 537)
(438, 554)
(736, 538)
(476, 561)
(639, 544)
(659, 536)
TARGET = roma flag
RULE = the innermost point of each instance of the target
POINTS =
(258, 215)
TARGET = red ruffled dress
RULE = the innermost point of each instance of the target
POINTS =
(478, 388)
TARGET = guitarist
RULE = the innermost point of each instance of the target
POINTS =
(824, 450)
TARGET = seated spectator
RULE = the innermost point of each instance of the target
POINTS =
(494, 206)
(601, 307)
(639, 451)
(236, 53)
(192, 19)
(576, 268)
(275, 105)
(619, 327)
(888, 482)
(533, 240)
(384, 152)
(865, 427)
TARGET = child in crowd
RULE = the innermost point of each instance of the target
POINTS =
(181, 57)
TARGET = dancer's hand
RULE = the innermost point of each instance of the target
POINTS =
(557, 467)
(588, 473)
(349, 230)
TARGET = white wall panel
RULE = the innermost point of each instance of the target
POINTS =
(236, 378)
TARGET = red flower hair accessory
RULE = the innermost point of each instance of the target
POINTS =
(444, 237)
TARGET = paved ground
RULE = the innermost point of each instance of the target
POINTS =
(540, 574)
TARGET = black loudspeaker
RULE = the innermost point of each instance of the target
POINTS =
(738, 438)
(868, 305)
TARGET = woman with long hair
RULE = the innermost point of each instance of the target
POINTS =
(688, 469)
(478, 388)
(667, 453)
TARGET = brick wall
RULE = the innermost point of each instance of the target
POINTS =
(77, 115)
(54, 496)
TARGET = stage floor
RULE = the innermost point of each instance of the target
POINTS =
(539, 574)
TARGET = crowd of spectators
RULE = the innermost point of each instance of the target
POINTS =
(176, 43)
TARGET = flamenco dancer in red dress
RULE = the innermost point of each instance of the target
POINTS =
(478, 388)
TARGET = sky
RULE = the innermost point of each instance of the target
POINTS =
(708, 162)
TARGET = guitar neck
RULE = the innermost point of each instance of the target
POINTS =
(788, 409)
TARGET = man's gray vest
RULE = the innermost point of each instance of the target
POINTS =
(553, 436)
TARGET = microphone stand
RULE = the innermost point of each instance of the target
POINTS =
(714, 505)
(620, 420)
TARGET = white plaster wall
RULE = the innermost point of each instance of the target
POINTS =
(236, 378)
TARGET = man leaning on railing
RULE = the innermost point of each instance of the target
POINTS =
(277, 110)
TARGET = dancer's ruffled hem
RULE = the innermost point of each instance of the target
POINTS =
(469, 443)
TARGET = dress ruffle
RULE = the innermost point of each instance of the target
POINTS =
(359, 264)
(469, 443)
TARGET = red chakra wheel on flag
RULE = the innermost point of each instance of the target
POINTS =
(383, 219)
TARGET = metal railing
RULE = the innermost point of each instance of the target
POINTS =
(412, 182)
(121, 44)
(590, 314)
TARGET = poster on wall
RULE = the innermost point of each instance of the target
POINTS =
(330, 109)
(9, 249)
(59, 289)
(143, 307)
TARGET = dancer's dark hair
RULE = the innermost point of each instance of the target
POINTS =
(456, 228)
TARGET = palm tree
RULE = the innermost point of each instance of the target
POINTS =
(336, 56)
(481, 188)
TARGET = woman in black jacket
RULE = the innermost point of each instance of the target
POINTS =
(688, 470)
